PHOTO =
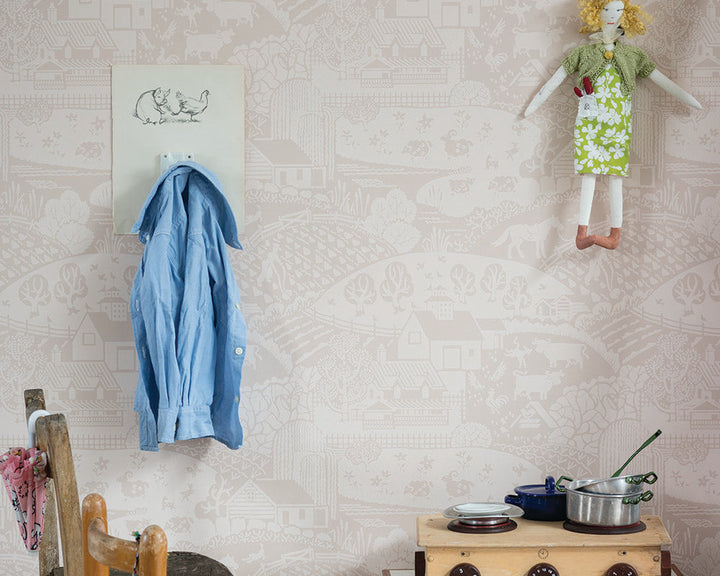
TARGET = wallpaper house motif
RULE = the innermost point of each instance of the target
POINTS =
(392, 190)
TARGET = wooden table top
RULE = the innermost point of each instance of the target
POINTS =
(432, 532)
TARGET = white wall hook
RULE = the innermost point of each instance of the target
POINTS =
(167, 159)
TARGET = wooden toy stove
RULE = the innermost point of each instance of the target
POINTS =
(522, 547)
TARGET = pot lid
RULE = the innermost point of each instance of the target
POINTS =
(547, 489)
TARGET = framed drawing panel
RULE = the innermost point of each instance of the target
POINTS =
(196, 111)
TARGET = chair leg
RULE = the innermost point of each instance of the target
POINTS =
(153, 552)
(93, 506)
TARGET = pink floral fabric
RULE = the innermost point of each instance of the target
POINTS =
(24, 474)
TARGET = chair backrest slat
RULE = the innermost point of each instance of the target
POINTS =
(34, 400)
(49, 551)
(52, 436)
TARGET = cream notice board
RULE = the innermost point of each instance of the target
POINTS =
(183, 110)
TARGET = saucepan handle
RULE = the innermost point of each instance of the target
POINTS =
(558, 484)
(644, 497)
(513, 499)
(649, 478)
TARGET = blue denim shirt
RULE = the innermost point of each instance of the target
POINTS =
(185, 305)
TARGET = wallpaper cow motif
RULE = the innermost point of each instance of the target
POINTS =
(421, 330)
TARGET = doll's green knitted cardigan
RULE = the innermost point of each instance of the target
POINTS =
(588, 60)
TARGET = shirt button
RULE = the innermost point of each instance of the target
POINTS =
(237, 306)
(237, 399)
(239, 351)
(147, 237)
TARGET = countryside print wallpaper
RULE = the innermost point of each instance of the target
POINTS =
(422, 331)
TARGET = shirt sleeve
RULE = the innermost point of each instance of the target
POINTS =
(231, 337)
(159, 300)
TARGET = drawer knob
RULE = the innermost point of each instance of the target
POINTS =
(621, 570)
(543, 569)
(465, 569)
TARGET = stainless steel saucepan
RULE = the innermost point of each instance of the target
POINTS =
(603, 509)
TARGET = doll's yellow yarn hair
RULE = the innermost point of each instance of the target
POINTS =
(633, 20)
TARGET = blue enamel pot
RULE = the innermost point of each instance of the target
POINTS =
(540, 501)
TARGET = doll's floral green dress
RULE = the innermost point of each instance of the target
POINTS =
(602, 140)
(602, 143)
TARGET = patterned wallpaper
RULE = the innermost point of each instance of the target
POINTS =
(422, 330)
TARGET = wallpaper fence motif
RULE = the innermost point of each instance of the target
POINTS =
(422, 330)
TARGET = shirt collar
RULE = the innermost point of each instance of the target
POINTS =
(199, 180)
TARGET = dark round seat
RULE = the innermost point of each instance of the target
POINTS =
(189, 564)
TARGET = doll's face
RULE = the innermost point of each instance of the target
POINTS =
(611, 14)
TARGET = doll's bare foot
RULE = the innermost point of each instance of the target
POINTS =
(610, 242)
(582, 240)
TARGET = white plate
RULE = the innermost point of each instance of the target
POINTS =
(482, 510)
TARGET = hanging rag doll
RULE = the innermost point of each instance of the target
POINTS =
(606, 70)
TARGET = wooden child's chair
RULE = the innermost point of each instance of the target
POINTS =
(148, 556)
(62, 509)
(63, 524)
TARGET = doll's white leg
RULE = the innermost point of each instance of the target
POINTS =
(616, 207)
(587, 191)
(616, 201)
